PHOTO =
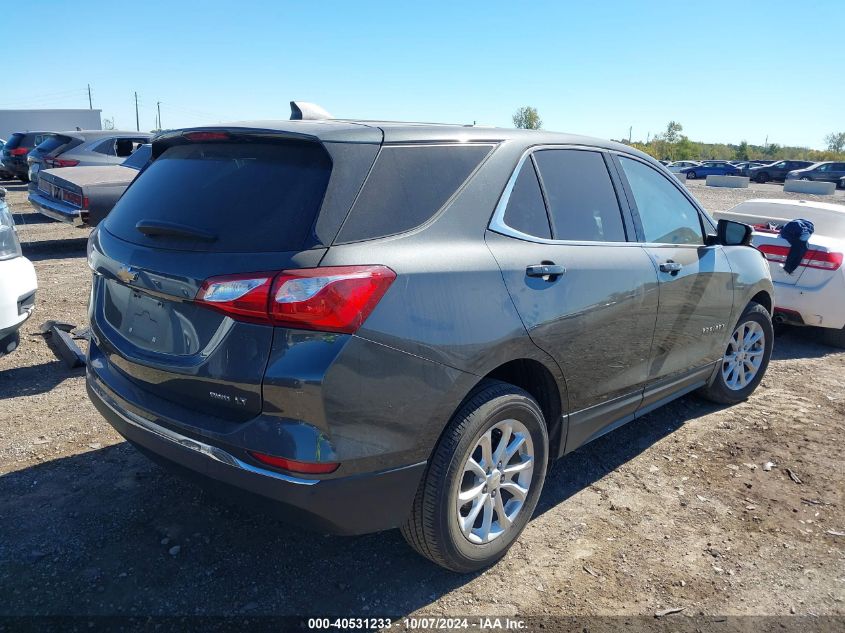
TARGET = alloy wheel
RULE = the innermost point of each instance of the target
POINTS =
(495, 482)
(744, 355)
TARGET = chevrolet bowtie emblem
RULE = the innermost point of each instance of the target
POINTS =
(127, 275)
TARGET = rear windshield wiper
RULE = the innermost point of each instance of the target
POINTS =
(154, 228)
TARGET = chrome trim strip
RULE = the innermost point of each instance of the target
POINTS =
(212, 452)
(497, 224)
(53, 210)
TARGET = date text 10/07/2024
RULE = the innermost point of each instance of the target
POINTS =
(425, 623)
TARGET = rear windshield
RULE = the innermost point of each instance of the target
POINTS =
(252, 197)
(14, 140)
(53, 142)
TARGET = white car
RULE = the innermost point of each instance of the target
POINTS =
(17, 282)
(678, 165)
(814, 294)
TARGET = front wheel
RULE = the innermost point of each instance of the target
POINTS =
(483, 480)
(746, 358)
(762, 178)
(691, 175)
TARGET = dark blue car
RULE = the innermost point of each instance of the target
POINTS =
(710, 168)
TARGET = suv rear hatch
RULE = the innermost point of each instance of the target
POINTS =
(213, 203)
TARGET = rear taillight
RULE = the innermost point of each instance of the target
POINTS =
(19, 151)
(812, 259)
(74, 198)
(242, 297)
(61, 162)
(330, 299)
(296, 466)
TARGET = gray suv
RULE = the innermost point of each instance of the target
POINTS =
(371, 325)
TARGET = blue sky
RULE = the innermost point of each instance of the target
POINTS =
(727, 71)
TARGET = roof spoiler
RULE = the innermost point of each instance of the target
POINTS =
(305, 111)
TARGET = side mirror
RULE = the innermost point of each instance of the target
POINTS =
(729, 233)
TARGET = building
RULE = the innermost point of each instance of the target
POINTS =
(12, 121)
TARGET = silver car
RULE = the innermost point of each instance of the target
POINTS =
(84, 148)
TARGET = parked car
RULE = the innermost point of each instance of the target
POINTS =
(16, 149)
(776, 171)
(17, 282)
(842, 183)
(85, 195)
(710, 168)
(407, 360)
(678, 165)
(828, 171)
(4, 173)
(746, 166)
(86, 148)
(814, 294)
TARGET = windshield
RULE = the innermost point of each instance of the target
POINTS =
(52, 143)
(14, 140)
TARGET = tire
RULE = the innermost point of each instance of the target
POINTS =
(433, 528)
(731, 387)
(23, 179)
(834, 338)
(9, 344)
(691, 175)
(762, 178)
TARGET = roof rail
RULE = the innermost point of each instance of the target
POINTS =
(305, 111)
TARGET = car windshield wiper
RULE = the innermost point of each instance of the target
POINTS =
(155, 228)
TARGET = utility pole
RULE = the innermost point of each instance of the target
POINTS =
(137, 120)
(90, 104)
(158, 107)
(630, 131)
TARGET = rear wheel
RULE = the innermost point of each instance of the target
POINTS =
(9, 344)
(834, 338)
(746, 358)
(483, 480)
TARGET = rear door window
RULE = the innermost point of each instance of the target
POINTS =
(526, 210)
(582, 201)
(250, 197)
(139, 157)
(407, 186)
(666, 214)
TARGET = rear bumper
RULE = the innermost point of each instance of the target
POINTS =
(15, 167)
(823, 306)
(17, 293)
(54, 209)
(356, 504)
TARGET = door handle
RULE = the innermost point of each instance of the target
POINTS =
(545, 270)
(670, 267)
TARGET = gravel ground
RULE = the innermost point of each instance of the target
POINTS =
(672, 511)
